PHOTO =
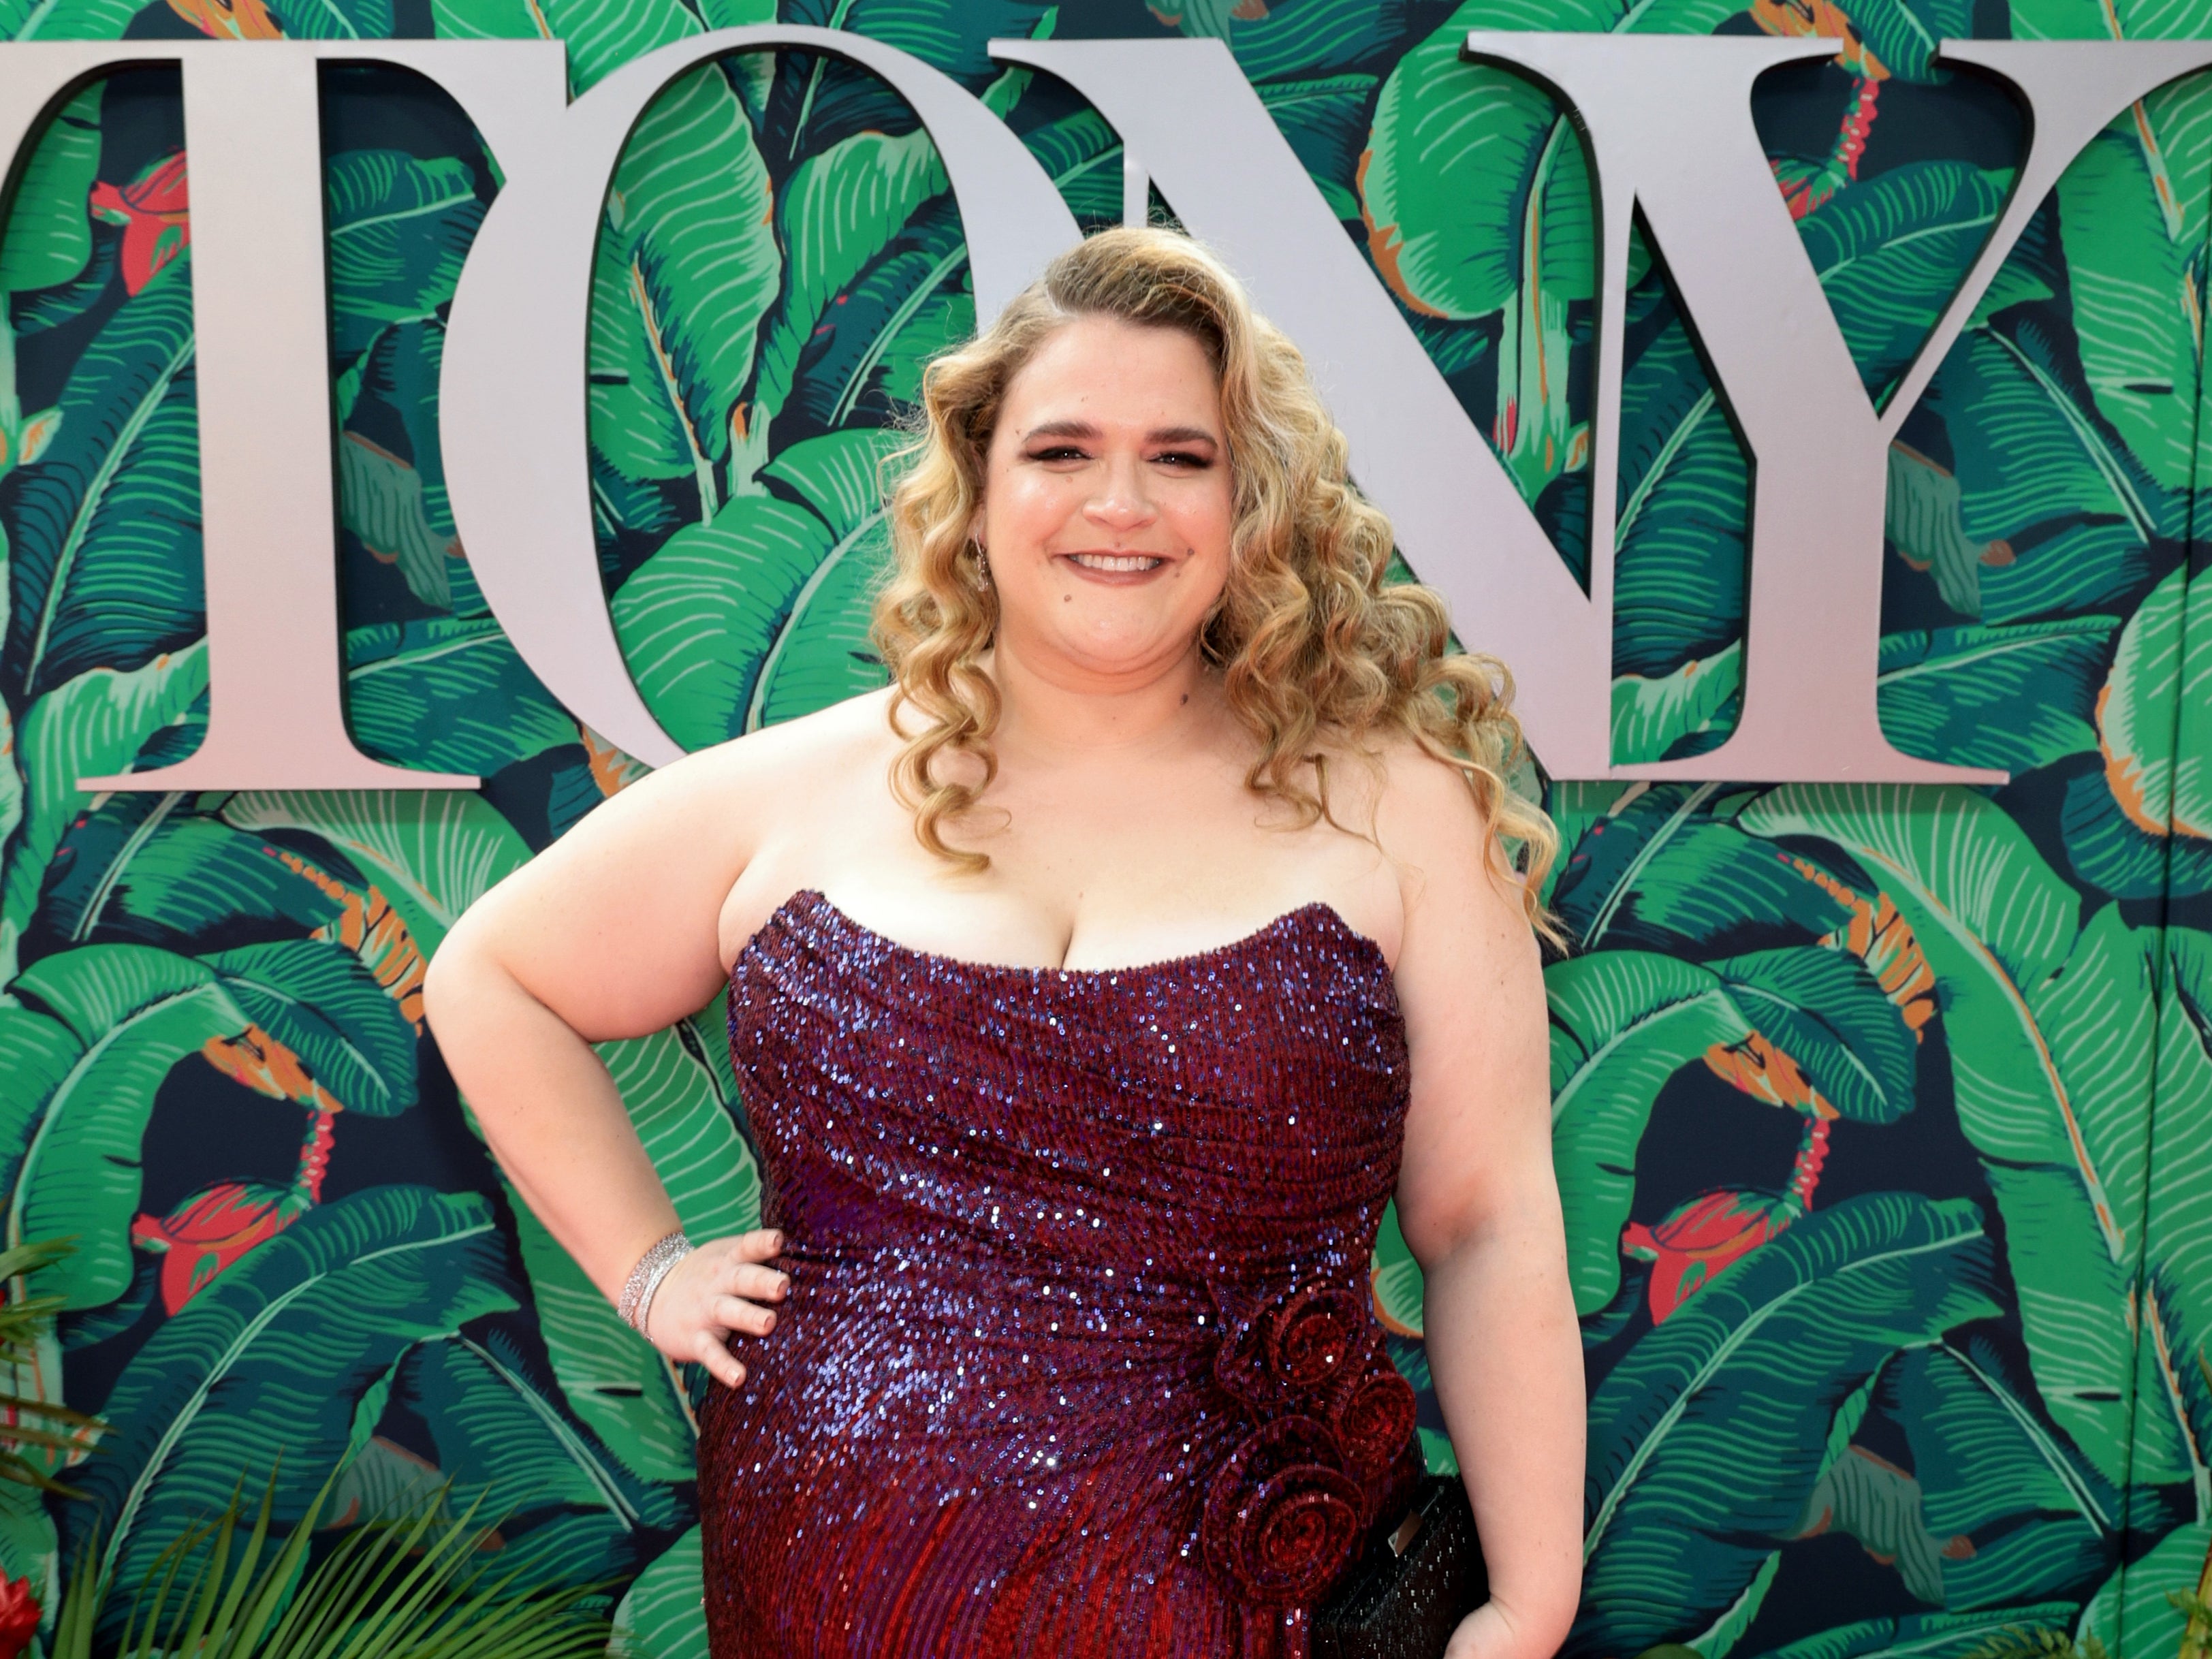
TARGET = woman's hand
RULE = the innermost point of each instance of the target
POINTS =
(722, 1286)
(1488, 1633)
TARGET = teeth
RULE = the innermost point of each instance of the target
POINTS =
(1116, 560)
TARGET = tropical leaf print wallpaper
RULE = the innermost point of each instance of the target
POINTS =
(1883, 1116)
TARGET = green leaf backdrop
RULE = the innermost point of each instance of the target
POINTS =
(1883, 1116)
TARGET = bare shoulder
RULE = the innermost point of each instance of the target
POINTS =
(734, 795)
(820, 741)
(615, 925)
(1464, 906)
(1422, 813)
(811, 748)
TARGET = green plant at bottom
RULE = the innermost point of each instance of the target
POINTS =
(23, 1320)
(404, 1586)
(2196, 1605)
(2196, 1638)
(2020, 1642)
(2042, 1642)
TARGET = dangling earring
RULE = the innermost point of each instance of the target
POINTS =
(983, 566)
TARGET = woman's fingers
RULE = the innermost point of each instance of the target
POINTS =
(718, 1360)
(724, 1287)
(734, 1313)
(756, 1283)
(758, 1245)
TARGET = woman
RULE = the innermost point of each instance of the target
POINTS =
(1093, 987)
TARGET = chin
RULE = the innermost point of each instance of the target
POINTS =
(1108, 649)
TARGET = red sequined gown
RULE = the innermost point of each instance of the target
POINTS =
(1079, 1356)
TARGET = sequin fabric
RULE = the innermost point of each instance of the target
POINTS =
(1079, 1356)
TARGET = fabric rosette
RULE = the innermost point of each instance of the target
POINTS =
(1281, 1515)
(1291, 1351)
(1373, 1416)
(1287, 1509)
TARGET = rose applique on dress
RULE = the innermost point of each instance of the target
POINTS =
(1281, 1516)
(1286, 1508)
(1289, 1352)
(1373, 1416)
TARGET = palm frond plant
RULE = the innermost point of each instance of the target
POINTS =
(2026, 1642)
(2038, 1641)
(2197, 1635)
(405, 1585)
(26, 1419)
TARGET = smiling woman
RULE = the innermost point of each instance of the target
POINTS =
(1093, 988)
(1242, 460)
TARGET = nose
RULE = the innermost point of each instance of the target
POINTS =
(1122, 501)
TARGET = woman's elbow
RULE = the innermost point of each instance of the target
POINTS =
(459, 962)
(1489, 1215)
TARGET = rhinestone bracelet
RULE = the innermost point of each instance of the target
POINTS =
(636, 1299)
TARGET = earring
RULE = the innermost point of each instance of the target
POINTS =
(983, 566)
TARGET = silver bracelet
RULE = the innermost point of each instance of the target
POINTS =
(636, 1298)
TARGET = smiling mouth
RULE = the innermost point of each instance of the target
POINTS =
(1117, 562)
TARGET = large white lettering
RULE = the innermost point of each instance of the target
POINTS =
(267, 507)
(513, 407)
(1668, 123)
(1668, 119)
(1223, 165)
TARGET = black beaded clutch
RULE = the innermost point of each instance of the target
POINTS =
(1412, 1584)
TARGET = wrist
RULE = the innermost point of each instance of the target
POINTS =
(1536, 1632)
(634, 1304)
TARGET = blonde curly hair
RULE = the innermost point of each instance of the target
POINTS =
(1311, 642)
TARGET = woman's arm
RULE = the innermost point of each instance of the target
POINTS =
(609, 932)
(1480, 1209)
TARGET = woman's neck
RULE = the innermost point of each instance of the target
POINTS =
(1052, 709)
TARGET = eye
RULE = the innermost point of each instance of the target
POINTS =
(1183, 458)
(1058, 452)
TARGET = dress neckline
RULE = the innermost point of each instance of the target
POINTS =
(1319, 909)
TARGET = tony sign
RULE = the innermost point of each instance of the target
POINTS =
(1668, 129)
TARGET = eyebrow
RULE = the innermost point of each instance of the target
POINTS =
(1166, 435)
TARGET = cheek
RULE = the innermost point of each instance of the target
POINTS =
(1204, 522)
(1030, 505)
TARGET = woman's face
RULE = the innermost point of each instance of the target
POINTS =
(1106, 507)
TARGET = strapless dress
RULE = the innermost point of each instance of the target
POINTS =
(1079, 1356)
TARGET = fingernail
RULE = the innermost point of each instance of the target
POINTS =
(739, 1377)
(783, 1288)
(767, 1323)
(776, 1239)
